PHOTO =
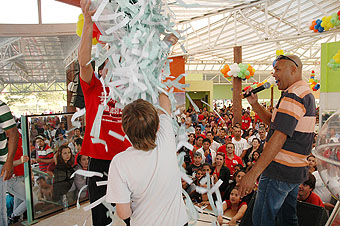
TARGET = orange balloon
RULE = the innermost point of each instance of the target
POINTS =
(314, 22)
(223, 71)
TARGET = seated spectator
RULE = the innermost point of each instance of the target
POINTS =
(198, 132)
(238, 175)
(44, 154)
(220, 138)
(306, 193)
(231, 159)
(80, 181)
(221, 171)
(45, 189)
(241, 144)
(191, 139)
(250, 135)
(311, 163)
(255, 146)
(62, 172)
(208, 155)
(262, 136)
(192, 168)
(254, 158)
(214, 145)
(61, 141)
(246, 120)
(199, 143)
(322, 191)
(234, 208)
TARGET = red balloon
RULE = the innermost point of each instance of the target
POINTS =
(339, 13)
(95, 31)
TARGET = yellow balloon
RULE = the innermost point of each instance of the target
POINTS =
(94, 41)
(79, 29)
(337, 60)
(80, 24)
(81, 17)
(279, 52)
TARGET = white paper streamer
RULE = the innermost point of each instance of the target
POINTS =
(213, 110)
(186, 178)
(101, 183)
(79, 193)
(94, 204)
(99, 141)
(192, 102)
(86, 173)
(201, 190)
(116, 135)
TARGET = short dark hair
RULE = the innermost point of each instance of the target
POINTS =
(212, 133)
(78, 141)
(206, 140)
(207, 164)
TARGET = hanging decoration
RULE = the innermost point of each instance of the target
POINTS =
(242, 71)
(326, 23)
(95, 34)
(334, 63)
(314, 83)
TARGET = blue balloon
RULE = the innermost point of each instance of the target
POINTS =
(318, 21)
(321, 29)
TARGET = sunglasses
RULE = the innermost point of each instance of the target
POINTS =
(283, 57)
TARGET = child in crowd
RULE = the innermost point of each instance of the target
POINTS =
(192, 168)
(234, 207)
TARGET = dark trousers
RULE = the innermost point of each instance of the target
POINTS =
(99, 217)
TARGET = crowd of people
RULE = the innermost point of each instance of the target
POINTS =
(54, 156)
(228, 152)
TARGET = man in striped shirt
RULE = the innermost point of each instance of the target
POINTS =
(283, 163)
(8, 145)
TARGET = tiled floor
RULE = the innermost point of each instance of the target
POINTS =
(74, 217)
(70, 217)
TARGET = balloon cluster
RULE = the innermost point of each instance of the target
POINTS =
(335, 62)
(95, 34)
(315, 83)
(243, 71)
(326, 23)
(257, 84)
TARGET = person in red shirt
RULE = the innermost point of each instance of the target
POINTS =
(99, 157)
(306, 193)
(234, 208)
(232, 160)
(246, 120)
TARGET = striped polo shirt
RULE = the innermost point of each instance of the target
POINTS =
(295, 116)
(6, 122)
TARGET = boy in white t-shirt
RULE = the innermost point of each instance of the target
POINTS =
(144, 181)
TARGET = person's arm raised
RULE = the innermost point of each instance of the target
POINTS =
(164, 102)
(85, 46)
(263, 113)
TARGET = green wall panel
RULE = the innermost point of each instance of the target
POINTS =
(330, 79)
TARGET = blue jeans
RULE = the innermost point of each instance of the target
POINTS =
(3, 209)
(275, 199)
(16, 186)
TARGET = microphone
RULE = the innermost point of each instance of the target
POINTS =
(260, 88)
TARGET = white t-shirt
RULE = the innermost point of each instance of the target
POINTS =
(240, 145)
(150, 180)
(212, 152)
(214, 146)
